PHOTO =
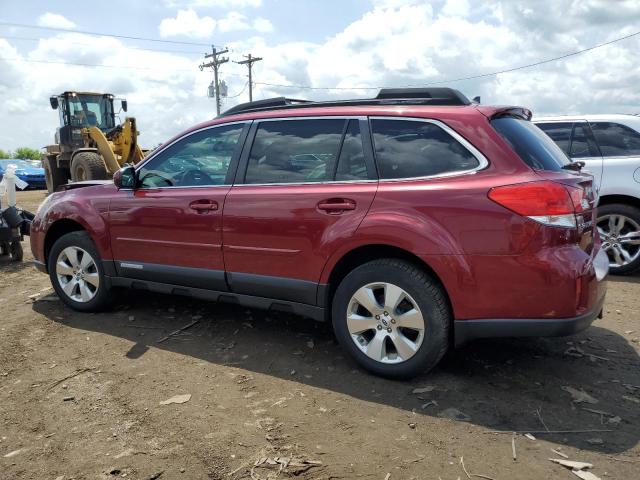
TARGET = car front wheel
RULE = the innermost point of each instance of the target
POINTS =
(76, 273)
(392, 317)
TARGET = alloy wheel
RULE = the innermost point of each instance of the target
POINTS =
(385, 322)
(77, 274)
(620, 237)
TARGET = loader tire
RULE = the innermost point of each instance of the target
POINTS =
(54, 176)
(88, 166)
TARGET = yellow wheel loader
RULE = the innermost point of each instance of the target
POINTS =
(88, 144)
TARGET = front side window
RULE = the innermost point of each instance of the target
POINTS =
(531, 144)
(407, 149)
(295, 151)
(615, 139)
(200, 159)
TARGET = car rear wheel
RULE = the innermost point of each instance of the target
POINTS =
(392, 317)
(76, 273)
(619, 229)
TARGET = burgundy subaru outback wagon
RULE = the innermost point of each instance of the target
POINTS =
(413, 221)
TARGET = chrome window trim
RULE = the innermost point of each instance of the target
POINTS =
(209, 127)
(482, 160)
(324, 182)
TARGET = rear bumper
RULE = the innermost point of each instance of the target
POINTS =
(466, 330)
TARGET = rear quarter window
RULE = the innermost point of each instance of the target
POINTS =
(615, 139)
(413, 148)
(531, 144)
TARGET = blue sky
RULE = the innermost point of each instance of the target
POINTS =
(349, 44)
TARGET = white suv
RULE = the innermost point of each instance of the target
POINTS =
(609, 145)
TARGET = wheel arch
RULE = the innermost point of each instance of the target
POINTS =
(624, 199)
(58, 229)
(365, 253)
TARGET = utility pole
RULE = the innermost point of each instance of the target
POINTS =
(215, 64)
(249, 63)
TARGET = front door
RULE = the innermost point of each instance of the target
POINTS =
(301, 191)
(168, 229)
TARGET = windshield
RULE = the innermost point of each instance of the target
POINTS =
(530, 143)
(91, 111)
(18, 163)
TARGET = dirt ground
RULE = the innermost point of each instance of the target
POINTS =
(273, 396)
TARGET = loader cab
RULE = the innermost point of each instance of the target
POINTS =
(83, 110)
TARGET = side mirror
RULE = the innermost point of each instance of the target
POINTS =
(125, 178)
(124, 105)
(54, 102)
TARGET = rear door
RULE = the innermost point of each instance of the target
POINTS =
(576, 139)
(169, 229)
(620, 147)
(302, 189)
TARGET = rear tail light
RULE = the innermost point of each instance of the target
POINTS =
(545, 202)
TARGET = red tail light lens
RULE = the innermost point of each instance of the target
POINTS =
(545, 202)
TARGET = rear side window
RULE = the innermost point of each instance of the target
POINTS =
(616, 140)
(407, 149)
(295, 151)
(531, 144)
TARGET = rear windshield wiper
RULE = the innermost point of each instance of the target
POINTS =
(575, 166)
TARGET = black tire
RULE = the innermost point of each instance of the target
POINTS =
(430, 298)
(80, 240)
(88, 166)
(15, 250)
(54, 176)
(632, 213)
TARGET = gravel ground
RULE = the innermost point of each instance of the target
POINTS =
(273, 396)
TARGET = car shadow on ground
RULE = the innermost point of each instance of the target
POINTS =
(503, 385)
(9, 266)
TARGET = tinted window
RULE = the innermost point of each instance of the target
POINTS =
(579, 142)
(294, 151)
(530, 143)
(615, 139)
(559, 133)
(406, 149)
(351, 164)
(199, 159)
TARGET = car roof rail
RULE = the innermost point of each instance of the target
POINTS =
(441, 95)
(266, 104)
(386, 96)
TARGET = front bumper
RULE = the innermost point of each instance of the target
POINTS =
(466, 330)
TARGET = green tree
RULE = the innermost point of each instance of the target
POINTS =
(27, 153)
(4, 154)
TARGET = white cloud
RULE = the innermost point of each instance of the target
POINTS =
(262, 25)
(213, 3)
(55, 21)
(396, 43)
(187, 23)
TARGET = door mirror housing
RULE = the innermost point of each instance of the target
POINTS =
(125, 178)
(123, 104)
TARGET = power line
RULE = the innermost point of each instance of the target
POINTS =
(240, 92)
(124, 67)
(37, 39)
(471, 77)
(86, 32)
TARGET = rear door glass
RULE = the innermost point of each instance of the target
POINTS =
(531, 144)
(615, 139)
(559, 133)
(294, 151)
(351, 164)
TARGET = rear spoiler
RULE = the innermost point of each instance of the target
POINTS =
(505, 111)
